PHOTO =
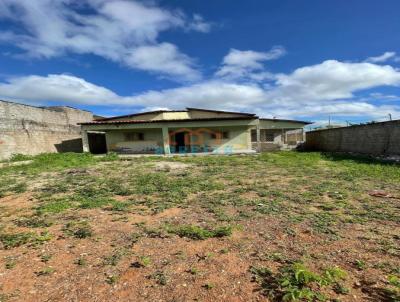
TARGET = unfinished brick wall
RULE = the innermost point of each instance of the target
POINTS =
(32, 130)
(375, 139)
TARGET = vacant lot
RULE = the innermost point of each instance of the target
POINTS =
(272, 227)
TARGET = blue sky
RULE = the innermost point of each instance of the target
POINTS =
(289, 59)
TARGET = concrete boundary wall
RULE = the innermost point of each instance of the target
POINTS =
(373, 139)
(32, 130)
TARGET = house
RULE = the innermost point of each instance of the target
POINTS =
(191, 130)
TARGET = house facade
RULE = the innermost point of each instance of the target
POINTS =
(191, 130)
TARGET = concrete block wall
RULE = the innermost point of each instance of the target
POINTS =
(32, 130)
(373, 139)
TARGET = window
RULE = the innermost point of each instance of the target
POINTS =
(253, 135)
(134, 136)
(266, 135)
(269, 137)
(223, 135)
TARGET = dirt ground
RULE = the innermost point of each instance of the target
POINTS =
(273, 227)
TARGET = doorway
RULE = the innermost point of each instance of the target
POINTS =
(180, 146)
(97, 143)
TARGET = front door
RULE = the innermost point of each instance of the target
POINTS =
(180, 146)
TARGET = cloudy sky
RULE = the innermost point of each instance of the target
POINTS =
(306, 59)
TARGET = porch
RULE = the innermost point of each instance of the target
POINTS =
(211, 138)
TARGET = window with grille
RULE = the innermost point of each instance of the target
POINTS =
(269, 136)
(134, 136)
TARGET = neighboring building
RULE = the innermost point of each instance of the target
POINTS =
(189, 131)
(32, 130)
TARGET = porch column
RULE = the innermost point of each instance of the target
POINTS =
(166, 140)
(258, 139)
(85, 141)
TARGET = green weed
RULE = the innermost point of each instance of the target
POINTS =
(80, 229)
(14, 240)
(199, 233)
(295, 282)
(45, 272)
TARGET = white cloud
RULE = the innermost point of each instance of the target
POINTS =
(239, 64)
(328, 88)
(113, 29)
(161, 58)
(199, 24)
(338, 108)
(331, 80)
(62, 88)
(383, 58)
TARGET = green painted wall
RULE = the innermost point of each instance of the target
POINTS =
(238, 139)
(116, 141)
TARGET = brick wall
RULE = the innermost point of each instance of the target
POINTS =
(32, 130)
(374, 139)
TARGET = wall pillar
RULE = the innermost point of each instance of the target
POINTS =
(258, 139)
(85, 141)
(166, 140)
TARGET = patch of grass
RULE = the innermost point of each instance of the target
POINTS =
(120, 206)
(20, 187)
(199, 233)
(55, 206)
(295, 282)
(143, 261)
(45, 272)
(41, 238)
(115, 257)
(20, 157)
(45, 258)
(94, 202)
(14, 240)
(393, 292)
(209, 285)
(81, 261)
(10, 185)
(160, 277)
(78, 229)
(112, 279)
(10, 262)
(110, 156)
(34, 222)
(52, 162)
(194, 271)
(324, 223)
(360, 264)
(116, 187)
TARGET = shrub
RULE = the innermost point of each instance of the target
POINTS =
(78, 229)
(199, 233)
(14, 240)
(296, 282)
(33, 222)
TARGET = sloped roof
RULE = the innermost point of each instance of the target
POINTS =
(110, 122)
(138, 114)
(219, 111)
(162, 111)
